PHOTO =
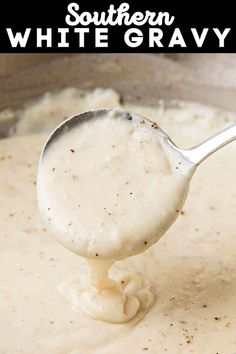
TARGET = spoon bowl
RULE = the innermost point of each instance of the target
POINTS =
(120, 238)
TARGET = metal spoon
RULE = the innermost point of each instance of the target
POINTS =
(191, 158)
(195, 155)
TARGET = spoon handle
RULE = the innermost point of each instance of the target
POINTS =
(199, 153)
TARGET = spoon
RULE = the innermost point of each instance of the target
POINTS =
(195, 155)
(188, 160)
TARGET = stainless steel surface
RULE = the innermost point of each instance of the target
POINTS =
(200, 152)
(143, 78)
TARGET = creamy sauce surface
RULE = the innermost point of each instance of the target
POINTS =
(192, 267)
(108, 188)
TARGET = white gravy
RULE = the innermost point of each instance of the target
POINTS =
(191, 269)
